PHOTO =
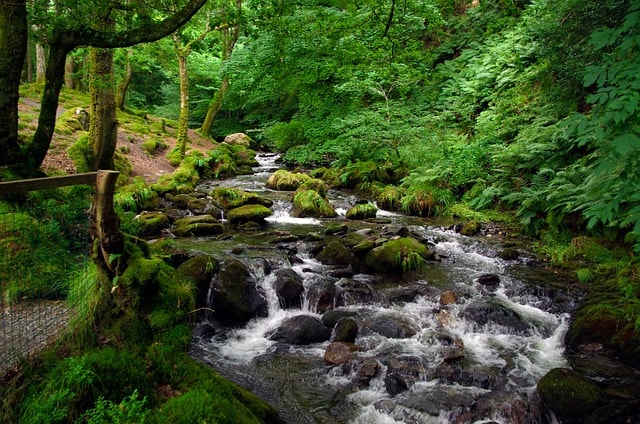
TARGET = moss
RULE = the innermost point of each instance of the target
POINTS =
(136, 197)
(200, 225)
(398, 256)
(153, 145)
(229, 198)
(470, 228)
(242, 214)
(286, 181)
(388, 197)
(311, 204)
(315, 184)
(80, 154)
(568, 394)
(151, 224)
(362, 211)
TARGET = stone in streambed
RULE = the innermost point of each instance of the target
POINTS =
(301, 330)
(195, 226)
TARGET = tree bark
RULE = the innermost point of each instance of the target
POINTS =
(13, 49)
(123, 87)
(230, 34)
(103, 132)
(183, 120)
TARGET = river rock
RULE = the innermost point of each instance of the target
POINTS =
(248, 213)
(230, 198)
(569, 395)
(196, 226)
(301, 330)
(455, 369)
(289, 288)
(151, 223)
(448, 297)
(488, 280)
(200, 270)
(331, 318)
(362, 211)
(284, 180)
(235, 296)
(310, 204)
(394, 384)
(335, 253)
(367, 369)
(345, 330)
(321, 295)
(397, 256)
(338, 353)
(486, 311)
(354, 292)
(391, 326)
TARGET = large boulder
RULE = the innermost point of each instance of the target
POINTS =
(569, 395)
(151, 223)
(338, 353)
(335, 253)
(397, 256)
(301, 330)
(362, 211)
(391, 326)
(490, 311)
(229, 198)
(235, 296)
(248, 213)
(284, 180)
(289, 288)
(310, 204)
(238, 139)
(200, 270)
(196, 226)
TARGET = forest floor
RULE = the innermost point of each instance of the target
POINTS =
(130, 142)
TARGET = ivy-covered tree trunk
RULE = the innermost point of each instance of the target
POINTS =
(183, 120)
(13, 48)
(103, 132)
(123, 87)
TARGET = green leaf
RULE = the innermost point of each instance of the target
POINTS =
(626, 143)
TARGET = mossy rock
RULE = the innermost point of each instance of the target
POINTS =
(195, 226)
(470, 228)
(246, 213)
(335, 253)
(152, 223)
(284, 180)
(568, 394)
(398, 256)
(310, 204)
(200, 270)
(362, 211)
(314, 184)
(230, 198)
(601, 320)
(238, 139)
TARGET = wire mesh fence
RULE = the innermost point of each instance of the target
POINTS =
(44, 274)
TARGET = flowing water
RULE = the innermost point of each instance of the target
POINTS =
(477, 359)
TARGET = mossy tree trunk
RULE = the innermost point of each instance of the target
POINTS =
(123, 87)
(13, 48)
(183, 120)
(103, 132)
(230, 34)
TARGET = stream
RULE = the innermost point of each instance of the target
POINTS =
(475, 358)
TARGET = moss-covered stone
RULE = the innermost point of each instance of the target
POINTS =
(230, 198)
(200, 270)
(246, 213)
(568, 394)
(309, 204)
(136, 197)
(470, 228)
(194, 226)
(314, 184)
(362, 211)
(152, 223)
(398, 256)
(286, 181)
(388, 197)
(335, 253)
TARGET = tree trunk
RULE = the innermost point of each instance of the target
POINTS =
(121, 92)
(103, 132)
(49, 103)
(183, 121)
(13, 49)
(230, 36)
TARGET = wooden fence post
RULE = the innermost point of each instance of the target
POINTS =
(105, 223)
